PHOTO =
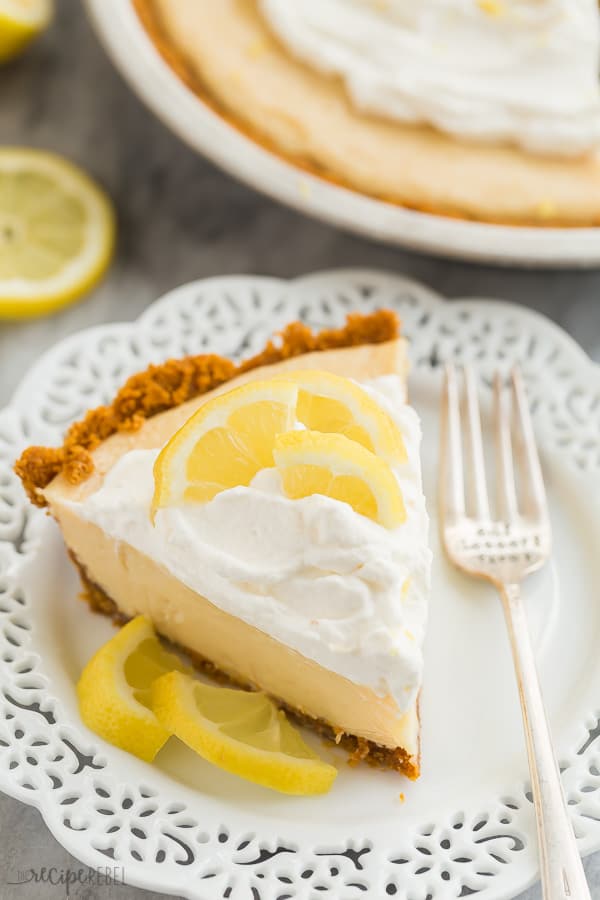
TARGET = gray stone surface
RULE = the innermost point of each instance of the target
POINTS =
(179, 218)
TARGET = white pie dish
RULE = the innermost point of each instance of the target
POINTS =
(135, 55)
(181, 825)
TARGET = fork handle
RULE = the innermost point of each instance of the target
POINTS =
(563, 877)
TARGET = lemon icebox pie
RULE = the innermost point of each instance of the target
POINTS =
(268, 518)
(477, 109)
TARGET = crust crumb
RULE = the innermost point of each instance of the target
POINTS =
(164, 386)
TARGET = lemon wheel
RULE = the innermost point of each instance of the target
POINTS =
(242, 732)
(57, 231)
(114, 690)
(336, 405)
(20, 23)
(224, 444)
(311, 462)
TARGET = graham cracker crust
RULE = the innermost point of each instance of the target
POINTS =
(164, 386)
(360, 749)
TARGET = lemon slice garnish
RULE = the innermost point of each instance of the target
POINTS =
(20, 22)
(242, 732)
(114, 690)
(57, 230)
(311, 462)
(231, 438)
(331, 403)
(224, 444)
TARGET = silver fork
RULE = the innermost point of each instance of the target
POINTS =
(504, 549)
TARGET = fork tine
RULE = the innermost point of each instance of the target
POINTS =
(535, 492)
(452, 482)
(476, 445)
(507, 497)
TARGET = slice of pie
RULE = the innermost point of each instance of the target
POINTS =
(485, 110)
(304, 597)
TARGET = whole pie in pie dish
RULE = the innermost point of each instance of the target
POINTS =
(486, 109)
(316, 599)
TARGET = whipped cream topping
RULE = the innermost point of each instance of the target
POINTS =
(312, 573)
(524, 71)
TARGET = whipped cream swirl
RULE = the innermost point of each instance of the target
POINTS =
(524, 71)
(333, 585)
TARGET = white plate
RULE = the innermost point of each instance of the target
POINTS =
(132, 51)
(185, 827)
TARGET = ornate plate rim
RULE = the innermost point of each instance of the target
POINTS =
(425, 304)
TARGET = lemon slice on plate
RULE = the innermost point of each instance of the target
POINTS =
(331, 403)
(224, 444)
(330, 464)
(242, 732)
(57, 231)
(20, 22)
(114, 690)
